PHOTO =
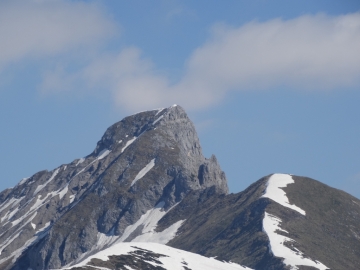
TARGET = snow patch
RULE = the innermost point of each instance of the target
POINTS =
(13, 236)
(157, 120)
(81, 160)
(150, 235)
(103, 154)
(16, 222)
(38, 202)
(10, 202)
(271, 224)
(23, 181)
(148, 222)
(47, 225)
(33, 225)
(159, 111)
(144, 171)
(174, 259)
(9, 215)
(128, 143)
(40, 187)
(274, 192)
(8, 241)
(72, 198)
(17, 253)
(63, 192)
(83, 169)
(150, 219)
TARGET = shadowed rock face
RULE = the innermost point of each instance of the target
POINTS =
(53, 217)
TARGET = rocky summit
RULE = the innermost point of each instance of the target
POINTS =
(147, 198)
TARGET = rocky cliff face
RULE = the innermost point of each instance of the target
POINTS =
(148, 160)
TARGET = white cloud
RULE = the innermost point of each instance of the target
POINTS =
(310, 52)
(316, 53)
(37, 28)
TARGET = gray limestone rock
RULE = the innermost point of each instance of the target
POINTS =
(53, 218)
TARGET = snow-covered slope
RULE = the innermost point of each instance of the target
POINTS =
(292, 256)
(274, 192)
(143, 230)
(272, 224)
(139, 256)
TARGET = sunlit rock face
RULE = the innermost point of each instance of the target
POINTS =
(147, 159)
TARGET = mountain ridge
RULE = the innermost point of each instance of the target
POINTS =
(148, 181)
(166, 135)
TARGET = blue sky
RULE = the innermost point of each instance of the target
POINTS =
(272, 86)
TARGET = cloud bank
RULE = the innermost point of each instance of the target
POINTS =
(307, 53)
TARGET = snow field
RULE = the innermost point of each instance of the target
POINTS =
(103, 154)
(23, 181)
(175, 259)
(157, 120)
(292, 258)
(144, 171)
(128, 143)
(81, 160)
(271, 224)
(40, 187)
(274, 192)
(159, 111)
(148, 221)
(10, 203)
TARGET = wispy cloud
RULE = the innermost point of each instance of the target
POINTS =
(311, 53)
(307, 53)
(315, 53)
(39, 28)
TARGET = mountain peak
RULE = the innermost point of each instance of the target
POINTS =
(148, 181)
(148, 161)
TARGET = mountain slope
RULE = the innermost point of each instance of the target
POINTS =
(148, 183)
(319, 222)
(139, 256)
(146, 159)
